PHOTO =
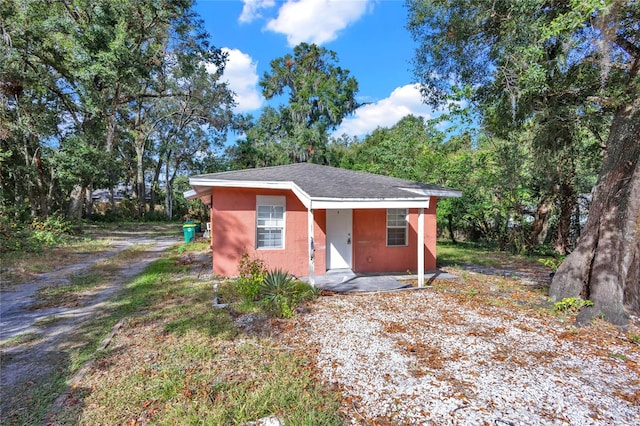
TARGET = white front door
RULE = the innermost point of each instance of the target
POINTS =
(339, 241)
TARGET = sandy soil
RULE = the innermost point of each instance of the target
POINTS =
(37, 360)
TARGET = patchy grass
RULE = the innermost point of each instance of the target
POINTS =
(124, 230)
(462, 252)
(478, 254)
(178, 360)
(81, 286)
(20, 339)
(490, 290)
(20, 267)
(48, 321)
(33, 398)
(66, 295)
(196, 246)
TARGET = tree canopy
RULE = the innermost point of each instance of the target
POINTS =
(570, 71)
(319, 95)
(88, 86)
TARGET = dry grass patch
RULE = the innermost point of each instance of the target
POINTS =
(178, 360)
(17, 267)
(84, 286)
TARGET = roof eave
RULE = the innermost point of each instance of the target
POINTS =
(441, 193)
(368, 203)
(198, 184)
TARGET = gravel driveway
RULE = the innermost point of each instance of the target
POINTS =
(449, 357)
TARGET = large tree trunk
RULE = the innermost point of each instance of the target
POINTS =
(168, 192)
(155, 186)
(88, 204)
(540, 223)
(140, 187)
(76, 200)
(605, 266)
(566, 204)
(112, 125)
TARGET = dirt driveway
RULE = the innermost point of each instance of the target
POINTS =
(38, 333)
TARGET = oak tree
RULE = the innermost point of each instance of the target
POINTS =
(585, 56)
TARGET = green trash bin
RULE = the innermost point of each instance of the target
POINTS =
(189, 230)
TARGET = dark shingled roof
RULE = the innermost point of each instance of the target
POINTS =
(330, 182)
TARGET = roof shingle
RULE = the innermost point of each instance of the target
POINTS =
(330, 182)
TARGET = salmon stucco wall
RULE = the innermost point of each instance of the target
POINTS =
(233, 222)
(371, 253)
(233, 215)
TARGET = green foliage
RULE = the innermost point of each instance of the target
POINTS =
(281, 292)
(275, 291)
(552, 262)
(16, 235)
(252, 274)
(111, 93)
(319, 93)
(539, 90)
(52, 230)
(411, 149)
(571, 305)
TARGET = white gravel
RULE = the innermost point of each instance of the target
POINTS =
(424, 357)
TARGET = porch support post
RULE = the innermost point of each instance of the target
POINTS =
(211, 226)
(311, 244)
(421, 247)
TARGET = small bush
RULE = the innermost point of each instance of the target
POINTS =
(252, 274)
(50, 231)
(276, 292)
(33, 237)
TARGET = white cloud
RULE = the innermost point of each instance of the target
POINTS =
(251, 9)
(242, 76)
(403, 101)
(316, 21)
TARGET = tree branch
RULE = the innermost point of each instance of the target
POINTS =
(628, 47)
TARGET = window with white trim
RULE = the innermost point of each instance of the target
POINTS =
(397, 225)
(270, 222)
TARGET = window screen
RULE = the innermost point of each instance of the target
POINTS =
(270, 222)
(397, 227)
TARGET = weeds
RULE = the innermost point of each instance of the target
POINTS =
(252, 275)
(571, 305)
(552, 263)
(17, 267)
(34, 236)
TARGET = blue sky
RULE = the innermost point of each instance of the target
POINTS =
(369, 37)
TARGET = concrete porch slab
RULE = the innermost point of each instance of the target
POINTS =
(346, 281)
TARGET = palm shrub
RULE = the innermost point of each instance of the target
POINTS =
(281, 293)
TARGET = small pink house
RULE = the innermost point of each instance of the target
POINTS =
(308, 219)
